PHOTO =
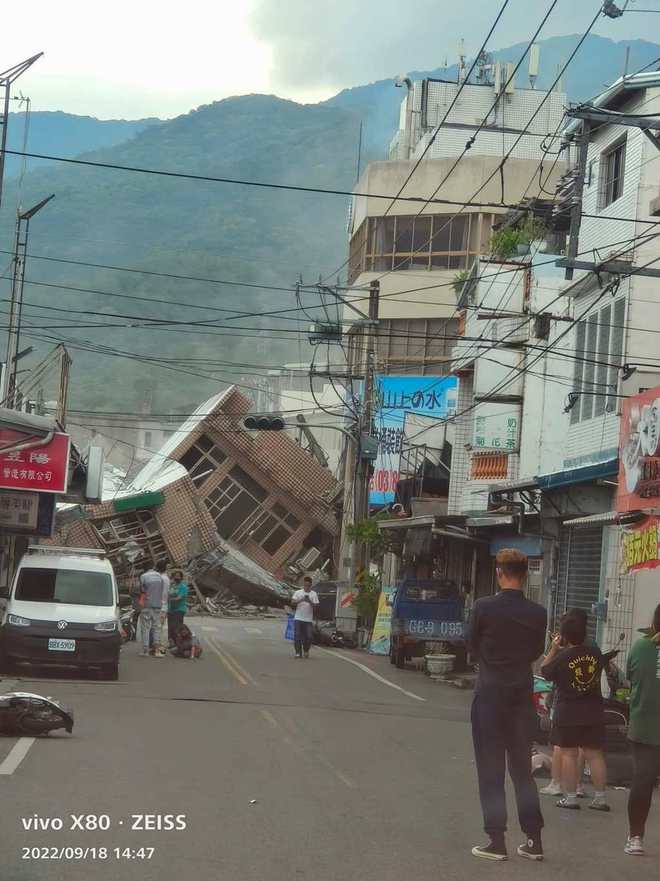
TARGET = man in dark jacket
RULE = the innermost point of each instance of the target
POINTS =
(506, 635)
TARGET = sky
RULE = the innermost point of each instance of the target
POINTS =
(162, 58)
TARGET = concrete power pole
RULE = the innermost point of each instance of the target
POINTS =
(8, 392)
(366, 446)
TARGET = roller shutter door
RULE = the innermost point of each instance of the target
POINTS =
(580, 558)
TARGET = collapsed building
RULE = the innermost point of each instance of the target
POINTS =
(244, 513)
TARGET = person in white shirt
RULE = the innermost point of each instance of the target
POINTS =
(304, 600)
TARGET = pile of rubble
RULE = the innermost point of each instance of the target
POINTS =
(226, 604)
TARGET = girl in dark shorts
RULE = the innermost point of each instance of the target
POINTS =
(578, 721)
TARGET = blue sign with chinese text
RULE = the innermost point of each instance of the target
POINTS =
(433, 396)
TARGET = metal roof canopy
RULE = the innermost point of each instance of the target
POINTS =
(636, 82)
(584, 474)
(19, 421)
(514, 485)
(589, 519)
(461, 536)
(407, 522)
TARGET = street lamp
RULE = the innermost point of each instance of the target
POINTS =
(16, 308)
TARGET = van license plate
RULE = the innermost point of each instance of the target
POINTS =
(61, 645)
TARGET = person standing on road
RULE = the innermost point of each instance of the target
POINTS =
(578, 721)
(555, 786)
(304, 601)
(506, 635)
(178, 605)
(644, 731)
(156, 590)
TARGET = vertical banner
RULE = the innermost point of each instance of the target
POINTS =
(639, 453)
(433, 396)
(380, 637)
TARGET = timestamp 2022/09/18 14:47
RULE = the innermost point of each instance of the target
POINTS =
(82, 854)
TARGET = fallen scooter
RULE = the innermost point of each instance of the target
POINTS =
(30, 715)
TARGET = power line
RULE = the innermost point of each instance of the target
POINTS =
(245, 183)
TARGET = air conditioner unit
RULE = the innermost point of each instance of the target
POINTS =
(308, 559)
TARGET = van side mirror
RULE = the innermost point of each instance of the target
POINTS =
(4, 592)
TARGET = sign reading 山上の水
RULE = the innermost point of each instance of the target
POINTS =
(433, 396)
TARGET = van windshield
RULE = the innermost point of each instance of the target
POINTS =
(69, 586)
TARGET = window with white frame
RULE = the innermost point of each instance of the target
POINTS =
(598, 356)
(612, 168)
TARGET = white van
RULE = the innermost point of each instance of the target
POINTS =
(62, 610)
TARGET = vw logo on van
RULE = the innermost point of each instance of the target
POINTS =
(61, 625)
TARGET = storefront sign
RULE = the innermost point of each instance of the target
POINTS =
(496, 427)
(19, 509)
(397, 395)
(26, 513)
(39, 469)
(380, 637)
(346, 597)
(639, 453)
(640, 546)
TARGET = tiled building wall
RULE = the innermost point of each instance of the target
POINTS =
(460, 461)
(272, 458)
(185, 524)
(290, 476)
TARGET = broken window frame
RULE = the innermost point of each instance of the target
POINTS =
(273, 528)
(208, 456)
(237, 491)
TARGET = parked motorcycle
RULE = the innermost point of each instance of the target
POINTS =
(128, 625)
(30, 715)
(326, 633)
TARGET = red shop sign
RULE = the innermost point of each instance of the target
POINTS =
(639, 453)
(39, 469)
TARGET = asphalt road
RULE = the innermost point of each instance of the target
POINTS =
(283, 769)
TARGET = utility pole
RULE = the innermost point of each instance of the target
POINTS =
(8, 392)
(365, 447)
(578, 190)
(7, 78)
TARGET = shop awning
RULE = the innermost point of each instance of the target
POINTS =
(15, 420)
(407, 522)
(586, 474)
(503, 486)
(605, 517)
(141, 500)
(461, 536)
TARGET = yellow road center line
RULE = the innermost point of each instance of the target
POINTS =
(224, 660)
(232, 660)
(268, 716)
(286, 722)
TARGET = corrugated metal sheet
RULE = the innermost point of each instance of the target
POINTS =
(606, 517)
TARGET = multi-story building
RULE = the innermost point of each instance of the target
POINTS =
(614, 344)
(416, 249)
(557, 473)
(267, 496)
(466, 152)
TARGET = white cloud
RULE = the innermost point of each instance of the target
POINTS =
(133, 58)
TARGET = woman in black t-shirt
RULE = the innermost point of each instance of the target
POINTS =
(578, 721)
